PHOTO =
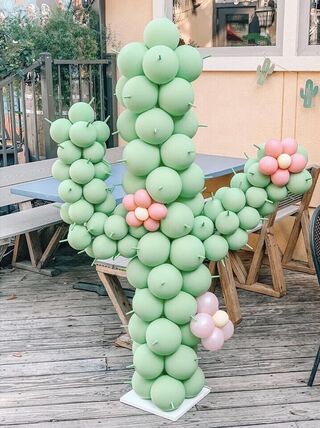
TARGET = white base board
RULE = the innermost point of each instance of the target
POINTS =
(132, 399)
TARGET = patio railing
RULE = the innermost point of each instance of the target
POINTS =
(47, 89)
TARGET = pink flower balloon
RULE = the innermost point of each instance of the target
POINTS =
(228, 330)
(142, 198)
(157, 211)
(289, 145)
(207, 303)
(298, 163)
(128, 202)
(151, 225)
(268, 165)
(202, 325)
(280, 177)
(215, 341)
(273, 148)
(132, 220)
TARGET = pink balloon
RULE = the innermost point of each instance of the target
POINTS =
(228, 330)
(142, 198)
(215, 341)
(268, 165)
(157, 211)
(273, 148)
(280, 177)
(207, 303)
(202, 325)
(132, 220)
(289, 145)
(128, 202)
(298, 163)
(151, 225)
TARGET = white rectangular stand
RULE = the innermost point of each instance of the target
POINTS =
(132, 399)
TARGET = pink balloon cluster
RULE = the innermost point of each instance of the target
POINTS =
(281, 159)
(211, 324)
(143, 211)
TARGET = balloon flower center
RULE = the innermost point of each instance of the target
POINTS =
(284, 161)
(141, 213)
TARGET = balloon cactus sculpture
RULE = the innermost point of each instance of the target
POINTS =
(164, 226)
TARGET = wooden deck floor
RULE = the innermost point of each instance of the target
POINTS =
(59, 368)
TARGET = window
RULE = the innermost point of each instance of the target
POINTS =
(314, 23)
(309, 40)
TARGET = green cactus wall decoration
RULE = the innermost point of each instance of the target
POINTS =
(310, 90)
(264, 71)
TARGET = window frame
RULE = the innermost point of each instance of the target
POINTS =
(287, 59)
(304, 27)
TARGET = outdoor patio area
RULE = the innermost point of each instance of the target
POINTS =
(60, 368)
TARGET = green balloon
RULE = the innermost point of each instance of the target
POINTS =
(131, 183)
(188, 338)
(196, 204)
(220, 192)
(192, 180)
(190, 62)
(164, 184)
(165, 281)
(64, 213)
(80, 211)
(227, 222)
(129, 60)
(182, 364)
(193, 386)
(203, 227)
(82, 134)
(137, 273)
(69, 191)
(139, 94)
(60, 171)
(146, 363)
(163, 337)
(137, 232)
(141, 158)
(248, 163)
(68, 152)
(178, 221)
(160, 64)
(89, 251)
(146, 305)
(267, 209)
(120, 210)
(233, 199)
(249, 218)
(107, 206)
(299, 183)
(81, 171)
(187, 253)
(197, 282)
(302, 152)
(137, 329)
(176, 97)
(240, 181)
(127, 246)
(153, 249)
(178, 152)
(81, 112)
(59, 130)
(135, 346)
(103, 247)
(276, 193)
(115, 227)
(237, 239)
(187, 124)
(261, 153)
(256, 197)
(141, 386)
(119, 88)
(102, 170)
(126, 125)
(212, 208)
(78, 237)
(216, 247)
(180, 308)
(161, 31)
(95, 153)
(167, 393)
(154, 126)
(95, 224)
(256, 178)
(102, 130)
(95, 191)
